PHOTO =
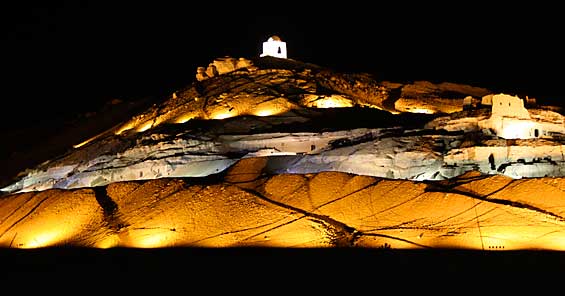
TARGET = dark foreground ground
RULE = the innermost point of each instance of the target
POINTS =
(262, 262)
(189, 271)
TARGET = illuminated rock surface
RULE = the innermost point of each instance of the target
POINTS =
(422, 148)
(279, 153)
(426, 97)
(246, 207)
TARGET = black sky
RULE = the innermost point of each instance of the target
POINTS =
(60, 57)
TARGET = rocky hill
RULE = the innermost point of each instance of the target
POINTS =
(281, 153)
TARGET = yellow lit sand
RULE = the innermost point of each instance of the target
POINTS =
(42, 238)
(296, 211)
(108, 241)
(53, 217)
(150, 238)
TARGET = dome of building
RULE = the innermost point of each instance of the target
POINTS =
(275, 38)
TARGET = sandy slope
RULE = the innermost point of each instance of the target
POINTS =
(329, 209)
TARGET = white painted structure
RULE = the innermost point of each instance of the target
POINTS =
(511, 120)
(274, 47)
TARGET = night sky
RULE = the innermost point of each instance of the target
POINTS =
(64, 57)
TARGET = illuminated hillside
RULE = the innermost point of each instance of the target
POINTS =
(274, 152)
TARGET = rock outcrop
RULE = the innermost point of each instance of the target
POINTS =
(419, 147)
(222, 66)
(445, 97)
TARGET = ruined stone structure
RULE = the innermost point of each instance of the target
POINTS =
(511, 120)
(223, 65)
